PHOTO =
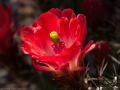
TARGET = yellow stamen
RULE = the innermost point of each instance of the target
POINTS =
(54, 36)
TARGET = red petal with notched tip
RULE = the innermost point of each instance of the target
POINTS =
(83, 31)
(69, 13)
(64, 30)
(49, 22)
(56, 11)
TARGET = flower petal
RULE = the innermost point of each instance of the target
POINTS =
(42, 68)
(90, 46)
(73, 30)
(69, 13)
(83, 32)
(54, 61)
(64, 29)
(32, 41)
(56, 11)
(49, 22)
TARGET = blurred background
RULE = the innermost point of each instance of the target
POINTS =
(16, 71)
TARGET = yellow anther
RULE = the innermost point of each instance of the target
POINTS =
(54, 36)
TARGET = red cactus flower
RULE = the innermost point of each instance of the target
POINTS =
(55, 41)
(95, 11)
(102, 50)
(5, 26)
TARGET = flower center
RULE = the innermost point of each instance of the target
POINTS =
(57, 45)
(54, 37)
